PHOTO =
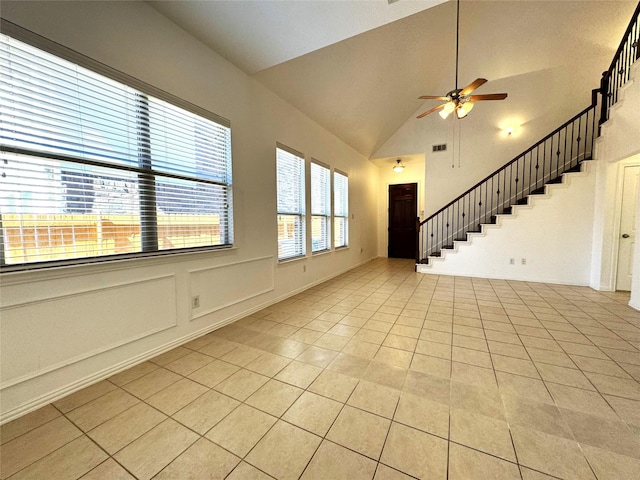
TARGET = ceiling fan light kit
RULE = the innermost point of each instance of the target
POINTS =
(460, 100)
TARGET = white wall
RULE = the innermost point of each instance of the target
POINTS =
(65, 328)
(413, 173)
(552, 234)
(618, 146)
(579, 242)
(479, 140)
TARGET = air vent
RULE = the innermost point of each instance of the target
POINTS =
(439, 148)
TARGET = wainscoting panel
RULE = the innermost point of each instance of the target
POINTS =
(222, 286)
(42, 335)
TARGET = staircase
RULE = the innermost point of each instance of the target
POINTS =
(561, 152)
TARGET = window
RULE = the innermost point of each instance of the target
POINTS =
(340, 209)
(291, 203)
(320, 208)
(93, 167)
(292, 198)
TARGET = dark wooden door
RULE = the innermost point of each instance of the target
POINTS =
(403, 210)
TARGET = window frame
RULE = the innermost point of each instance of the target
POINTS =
(300, 238)
(326, 216)
(144, 171)
(335, 209)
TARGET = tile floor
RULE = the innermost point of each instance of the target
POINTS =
(379, 374)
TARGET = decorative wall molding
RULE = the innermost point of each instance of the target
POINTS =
(21, 310)
(254, 277)
(105, 373)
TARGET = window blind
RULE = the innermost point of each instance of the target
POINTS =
(291, 204)
(340, 209)
(320, 208)
(91, 167)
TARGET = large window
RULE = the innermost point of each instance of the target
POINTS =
(94, 167)
(291, 203)
(320, 208)
(340, 209)
(294, 195)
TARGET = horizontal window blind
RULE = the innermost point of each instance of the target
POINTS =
(91, 167)
(320, 208)
(291, 204)
(340, 209)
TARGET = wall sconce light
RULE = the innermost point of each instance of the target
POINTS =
(398, 167)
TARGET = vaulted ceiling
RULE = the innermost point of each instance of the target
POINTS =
(358, 67)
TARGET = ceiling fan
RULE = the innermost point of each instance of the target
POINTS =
(460, 100)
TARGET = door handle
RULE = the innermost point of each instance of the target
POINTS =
(625, 235)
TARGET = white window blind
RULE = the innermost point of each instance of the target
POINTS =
(92, 167)
(291, 203)
(320, 208)
(340, 209)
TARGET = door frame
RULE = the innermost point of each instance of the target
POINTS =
(383, 233)
(622, 165)
(418, 205)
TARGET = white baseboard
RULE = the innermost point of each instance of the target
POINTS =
(96, 377)
(553, 281)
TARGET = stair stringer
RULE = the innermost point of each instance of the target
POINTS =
(553, 233)
(613, 144)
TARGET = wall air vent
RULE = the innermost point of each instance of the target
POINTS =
(439, 148)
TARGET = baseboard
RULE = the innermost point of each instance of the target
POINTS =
(143, 357)
(553, 281)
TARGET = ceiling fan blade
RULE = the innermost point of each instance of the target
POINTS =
(434, 109)
(473, 85)
(432, 97)
(488, 96)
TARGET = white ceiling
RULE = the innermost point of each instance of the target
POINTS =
(357, 67)
(258, 34)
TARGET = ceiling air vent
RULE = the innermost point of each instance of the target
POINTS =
(439, 148)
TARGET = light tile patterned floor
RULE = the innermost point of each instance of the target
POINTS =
(378, 374)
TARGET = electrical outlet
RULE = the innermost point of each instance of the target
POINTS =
(523, 261)
(304, 268)
(195, 301)
(512, 261)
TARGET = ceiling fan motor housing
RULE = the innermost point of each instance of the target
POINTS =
(454, 94)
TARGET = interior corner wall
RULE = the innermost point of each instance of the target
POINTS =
(62, 329)
(412, 173)
(617, 147)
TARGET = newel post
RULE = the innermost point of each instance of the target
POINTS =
(417, 242)
(604, 92)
